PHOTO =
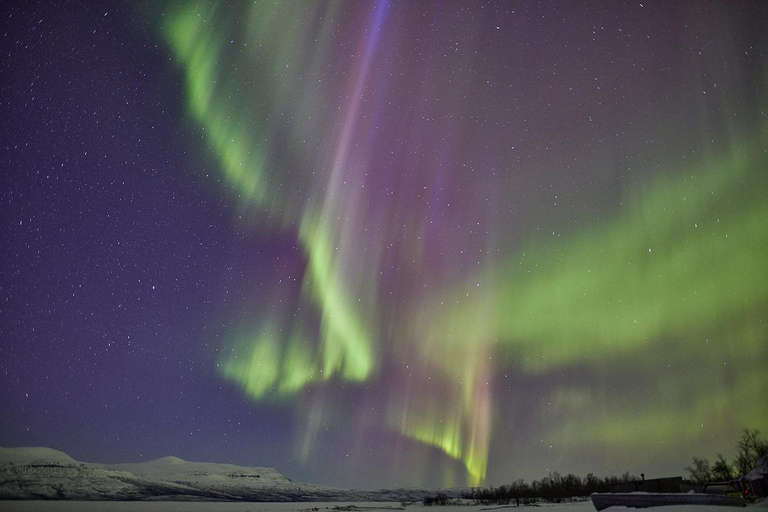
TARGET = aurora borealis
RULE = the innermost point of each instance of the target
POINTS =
(395, 243)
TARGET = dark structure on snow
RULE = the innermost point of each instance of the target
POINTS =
(670, 484)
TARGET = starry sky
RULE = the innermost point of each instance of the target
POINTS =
(385, 243)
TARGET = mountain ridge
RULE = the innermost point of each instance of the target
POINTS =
(45, 473)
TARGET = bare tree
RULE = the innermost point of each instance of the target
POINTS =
(722, 470)
(750, 448)
(700, 471)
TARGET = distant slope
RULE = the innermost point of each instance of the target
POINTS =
(44, 473)
(34, 454)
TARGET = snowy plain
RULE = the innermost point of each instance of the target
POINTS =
(37, 472)
(147, 506)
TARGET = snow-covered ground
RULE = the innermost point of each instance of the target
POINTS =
(29, 474)
(145, 506)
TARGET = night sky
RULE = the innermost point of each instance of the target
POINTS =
(385, 243)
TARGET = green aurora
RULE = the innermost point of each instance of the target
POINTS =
(670, 290)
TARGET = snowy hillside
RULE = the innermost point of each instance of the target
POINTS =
(34, 473)
(44, 473)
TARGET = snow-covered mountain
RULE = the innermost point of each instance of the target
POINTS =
(44, 473)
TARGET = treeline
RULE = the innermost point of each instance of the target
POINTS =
(555, 486)
(749, 449)
(552, 487)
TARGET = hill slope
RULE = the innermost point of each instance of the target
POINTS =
(44, 473)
